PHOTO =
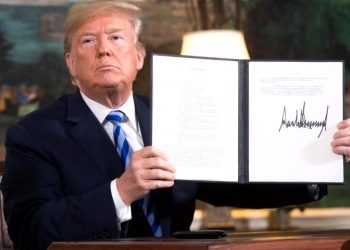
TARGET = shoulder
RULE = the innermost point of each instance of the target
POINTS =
(43, 118)
(57, 109)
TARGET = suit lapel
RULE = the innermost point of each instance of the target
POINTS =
(92, 137)
(143, 115)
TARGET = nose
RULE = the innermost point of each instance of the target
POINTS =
(103, 48)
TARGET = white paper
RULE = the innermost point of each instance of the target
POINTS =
(293, 111)
(195, 116)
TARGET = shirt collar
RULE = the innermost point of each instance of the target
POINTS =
(101, 111)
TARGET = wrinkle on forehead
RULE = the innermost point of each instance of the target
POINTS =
(97, 26)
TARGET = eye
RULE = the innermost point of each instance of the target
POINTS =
(85, 41)
(116, 37)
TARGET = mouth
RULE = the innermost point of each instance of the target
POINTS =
(106, 67)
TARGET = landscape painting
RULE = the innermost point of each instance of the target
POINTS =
(32, 67)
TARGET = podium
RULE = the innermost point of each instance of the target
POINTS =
(286, 240)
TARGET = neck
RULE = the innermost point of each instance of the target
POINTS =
(111, 99)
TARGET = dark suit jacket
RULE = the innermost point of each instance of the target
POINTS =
(58, 169)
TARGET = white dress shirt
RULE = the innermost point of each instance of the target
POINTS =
(132, 131)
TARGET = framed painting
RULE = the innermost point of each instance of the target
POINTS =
(32, 67)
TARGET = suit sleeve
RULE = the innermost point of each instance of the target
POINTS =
(36, 208)
(259, 195)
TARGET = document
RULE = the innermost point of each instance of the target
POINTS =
(248, 121)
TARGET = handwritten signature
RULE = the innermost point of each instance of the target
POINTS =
(300, 121)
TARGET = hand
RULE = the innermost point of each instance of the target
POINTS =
(341, 139)
(148, 170)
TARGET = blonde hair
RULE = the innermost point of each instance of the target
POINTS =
(80, 12)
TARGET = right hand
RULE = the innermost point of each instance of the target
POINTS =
(148, 170)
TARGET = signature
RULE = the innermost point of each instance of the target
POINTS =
(300, 121)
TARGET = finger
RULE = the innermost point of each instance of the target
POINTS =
(157, 163)
(341, 141)
(347, 159)
(159, 184)
(159, 174)
(342, 150)
(344, 124)
(150, 151)
(342, 133)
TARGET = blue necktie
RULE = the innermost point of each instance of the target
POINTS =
(121, 144)
(124, 151)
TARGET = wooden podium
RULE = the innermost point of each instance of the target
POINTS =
(286, 240)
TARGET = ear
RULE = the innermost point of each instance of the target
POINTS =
(140, 60)
(70, 64)
(140, 54)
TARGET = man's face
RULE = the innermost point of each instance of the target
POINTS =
(103, 56)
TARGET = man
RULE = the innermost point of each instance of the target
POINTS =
(64, 179)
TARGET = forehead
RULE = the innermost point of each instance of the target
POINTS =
(105, 22)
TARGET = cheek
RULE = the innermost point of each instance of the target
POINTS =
(84, 63)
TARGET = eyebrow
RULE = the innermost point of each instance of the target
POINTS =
(93, 33)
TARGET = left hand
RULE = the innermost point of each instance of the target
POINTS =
(341, 139)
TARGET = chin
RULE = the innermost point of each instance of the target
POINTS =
(108, 82)
(112, 86)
